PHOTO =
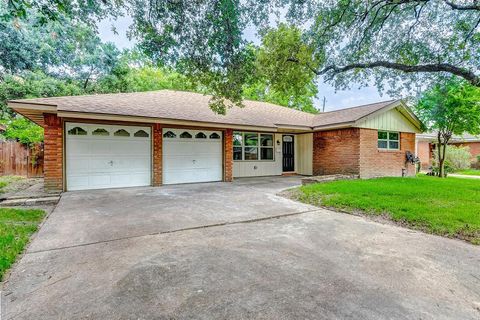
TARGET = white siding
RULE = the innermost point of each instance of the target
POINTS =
(304, 155)
(261, 168)
(391, 120)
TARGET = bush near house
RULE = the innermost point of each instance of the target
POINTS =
(457, 158)
(448, 207)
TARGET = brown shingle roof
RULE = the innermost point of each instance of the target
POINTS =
(349, 114)
(178, 105)
(189, 106)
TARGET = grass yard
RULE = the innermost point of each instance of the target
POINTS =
(16, 227)
(470, 172)
(448, 207)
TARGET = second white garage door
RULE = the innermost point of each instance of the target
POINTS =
(192, 156)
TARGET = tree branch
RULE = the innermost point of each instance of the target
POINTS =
(439, 67)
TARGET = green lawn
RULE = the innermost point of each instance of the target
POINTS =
(449, 207)
(16, 227)
(470, 172)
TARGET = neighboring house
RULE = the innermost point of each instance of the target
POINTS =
(427, 142)
(169, 137)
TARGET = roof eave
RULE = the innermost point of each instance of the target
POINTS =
(340, 125)
(32, 111)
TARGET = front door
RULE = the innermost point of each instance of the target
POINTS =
(288, 153)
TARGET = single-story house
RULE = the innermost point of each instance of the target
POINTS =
(427, 143)
(172, 137)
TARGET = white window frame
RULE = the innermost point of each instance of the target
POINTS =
(388, 140)
(258, 146)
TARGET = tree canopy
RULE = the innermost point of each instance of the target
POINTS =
(450, 108)
(403, 44)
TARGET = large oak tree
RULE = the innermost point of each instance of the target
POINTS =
(402, 43)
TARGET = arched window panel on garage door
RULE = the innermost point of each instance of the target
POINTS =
(200, 135)
(100, 132)
(141, 134)
(169, 134)
(214, 136)
(122, 133)
(77, 131)
(185, 135)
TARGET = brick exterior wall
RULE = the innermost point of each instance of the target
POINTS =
(424, 153)
(381, 163)
(157, 155)
(53, 153)
(228, 155)
(355, 151)
(336, 151)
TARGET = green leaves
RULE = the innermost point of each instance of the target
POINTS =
(286, 60)
(23, 130)
(452, 106)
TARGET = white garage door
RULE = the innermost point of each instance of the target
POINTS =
(192, 156)
(105, 156)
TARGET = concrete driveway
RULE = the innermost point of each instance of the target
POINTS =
(234, 251)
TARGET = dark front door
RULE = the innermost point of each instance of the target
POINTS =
(288, 153)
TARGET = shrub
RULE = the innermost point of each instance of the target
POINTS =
(457, 159)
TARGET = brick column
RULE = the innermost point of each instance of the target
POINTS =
(157, 155)
(228, 155)
(407, 143)
(53, 153)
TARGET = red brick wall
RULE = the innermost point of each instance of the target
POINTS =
(228, 154)
(157, 155)
(53, 154)
(336, 151)
(425, 153)
(355, 151)
(380, 163)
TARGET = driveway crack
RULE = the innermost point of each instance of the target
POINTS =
(219, 224)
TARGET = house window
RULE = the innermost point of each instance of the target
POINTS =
(250, 146)
(388, 140)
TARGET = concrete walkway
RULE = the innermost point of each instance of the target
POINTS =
(234, 251)
(464, 176)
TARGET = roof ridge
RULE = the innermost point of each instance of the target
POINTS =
(360, 106)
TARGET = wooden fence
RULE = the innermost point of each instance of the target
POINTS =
(20, 160)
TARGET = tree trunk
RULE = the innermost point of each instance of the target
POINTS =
(442, 153)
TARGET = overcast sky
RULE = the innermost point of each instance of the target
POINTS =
(335, 100)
